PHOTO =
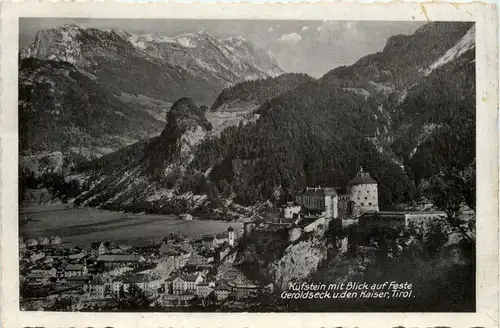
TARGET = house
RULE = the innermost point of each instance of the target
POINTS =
(44, 271)
(35, 256)
(222, 292)
(185, 299)
(31, 242)
(185, 282)
(111, 261)
(55, 240)
(75, 270)
(77, 256)
(242, 291)
(97, 289)
(143, 281)
(43, 241)
(203, 289)
(78, 280)
(96, 249)
(146, 282)
(198, 259)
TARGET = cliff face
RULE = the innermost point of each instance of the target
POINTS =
(298, 262)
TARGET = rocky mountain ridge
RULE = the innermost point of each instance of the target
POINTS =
(71, 77)
(195, 65)
(315, 133)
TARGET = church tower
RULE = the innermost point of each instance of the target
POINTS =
(230, 237)
(363, 190)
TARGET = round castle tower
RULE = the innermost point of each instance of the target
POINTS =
(363, 190)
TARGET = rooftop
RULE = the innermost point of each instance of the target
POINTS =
(120, 258)
(319, 191)
(74, 267)
(362, 178)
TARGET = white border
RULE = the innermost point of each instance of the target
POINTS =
(484, 15)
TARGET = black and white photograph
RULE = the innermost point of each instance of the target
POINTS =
(239, 165)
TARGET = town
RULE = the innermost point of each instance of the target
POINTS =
(181, 272)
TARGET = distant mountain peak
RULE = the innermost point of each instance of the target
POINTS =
(196, 64)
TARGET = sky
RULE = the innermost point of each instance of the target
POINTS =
(312, 47)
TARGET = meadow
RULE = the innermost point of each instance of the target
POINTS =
(80, 226)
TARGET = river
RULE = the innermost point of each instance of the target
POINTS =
(80, 226)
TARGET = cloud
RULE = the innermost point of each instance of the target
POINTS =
(290, 38)
(305, 28)
(270, 30)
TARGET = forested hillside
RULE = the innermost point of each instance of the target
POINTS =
(414, 134)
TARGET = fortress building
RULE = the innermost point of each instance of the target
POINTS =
(361, 197)
(319, 200)
(363, 192)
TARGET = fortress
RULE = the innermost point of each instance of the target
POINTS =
(360, 201)
(361, 197)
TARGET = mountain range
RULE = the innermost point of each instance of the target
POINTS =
(406, 114)
(123, 83)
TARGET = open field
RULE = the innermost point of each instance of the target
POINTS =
(83, 225)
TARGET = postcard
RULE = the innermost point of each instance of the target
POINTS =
(239, 165)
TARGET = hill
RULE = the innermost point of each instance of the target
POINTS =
(319, 133)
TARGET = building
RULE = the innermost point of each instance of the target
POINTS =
(363, 192)
(111, 261)
(198, 259)
(44, 271)
(79, 280)
(222, 292)
(146, 282)
(43, 241)
(96, 249)
(77, 256)
(185, 299)
(55, 240)
(75, 270)
(185, 282)
(399, 219)
(230, 236)
(242, 291)
(319, 200)
(289, 209)
(97, 289)
(203, 289)
(31, 242)
(35, 256)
